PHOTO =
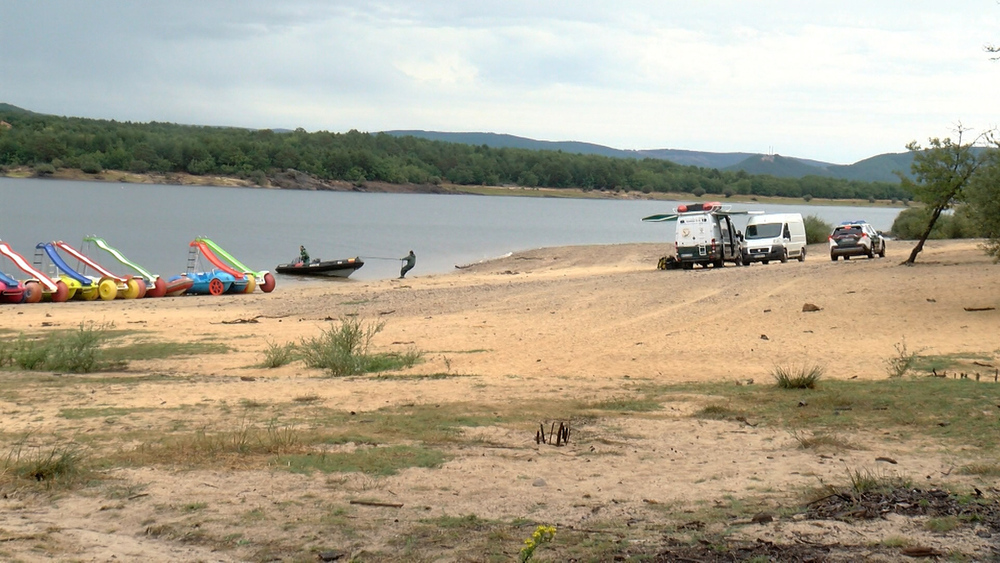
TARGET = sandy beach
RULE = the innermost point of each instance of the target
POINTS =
(556, 326)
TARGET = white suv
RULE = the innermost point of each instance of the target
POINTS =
(856, 238)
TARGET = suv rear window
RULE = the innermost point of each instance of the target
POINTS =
(852, 230)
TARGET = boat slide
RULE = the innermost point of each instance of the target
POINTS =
(155, 285)
(264, 277)
(56, 290)
(108, 285)
(242, 283)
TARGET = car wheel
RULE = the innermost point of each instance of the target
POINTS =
(847, 258)
(833, 257)
(881, 252)
(871, 252)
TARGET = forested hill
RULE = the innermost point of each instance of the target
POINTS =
(46, 143)
(881, 168)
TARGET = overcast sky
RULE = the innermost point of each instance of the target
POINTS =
(837, 81)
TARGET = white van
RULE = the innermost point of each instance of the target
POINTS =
(778, 236)
(706, 234)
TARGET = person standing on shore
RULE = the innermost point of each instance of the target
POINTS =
(409, 261)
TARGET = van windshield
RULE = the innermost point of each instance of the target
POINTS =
(764, 230)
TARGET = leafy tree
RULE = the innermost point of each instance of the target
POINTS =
(984, 201)
(942, 172)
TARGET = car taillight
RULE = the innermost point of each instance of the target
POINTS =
(829, 237)
(863, 235)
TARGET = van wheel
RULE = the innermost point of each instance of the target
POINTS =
(688, 265)
(802, 255)
(764, 262)
(784, 256)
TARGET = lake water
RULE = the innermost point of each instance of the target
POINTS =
(153, 224)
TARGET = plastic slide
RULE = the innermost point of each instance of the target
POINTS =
(155, 285)
(127, 287)
(57, 291)
(243, 283)
(50, 250)
(265, 278)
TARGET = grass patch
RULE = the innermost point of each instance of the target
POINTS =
(803, 377)
(345, 350)
(420, 376)
(718, 411)
(379, 461)
(981, 469)
(101, 412)
(77, 351)
(88, 349)
(943, 524)
(820, 440)
(626, 404)
(942, 362)
(53, 466)
(952, 412)
(865, 481)
(144, 350)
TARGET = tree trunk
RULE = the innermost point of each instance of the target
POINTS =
(923, 237)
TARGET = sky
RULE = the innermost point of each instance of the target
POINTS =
(835, 81)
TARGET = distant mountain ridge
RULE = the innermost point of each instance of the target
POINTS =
(880, 168)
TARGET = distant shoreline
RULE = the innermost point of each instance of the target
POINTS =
(293, 180)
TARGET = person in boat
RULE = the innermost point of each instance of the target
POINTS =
(303, 255)
(409, 261)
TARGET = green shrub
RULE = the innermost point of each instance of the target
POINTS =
(277, 355)
(805, 377)
(910, 224)
(91, 164)
(78, 351)
(62, 464)
(817, 230)
(44, 169)
(343, 350)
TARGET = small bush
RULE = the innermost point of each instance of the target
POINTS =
(807, 198)
(868, 481)
(277, 355)
(343, 350)
(904, 360)
(698, 192)
(54, 465)
(44, 169)
(817, 230)
(805, 377)
(78, 351)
